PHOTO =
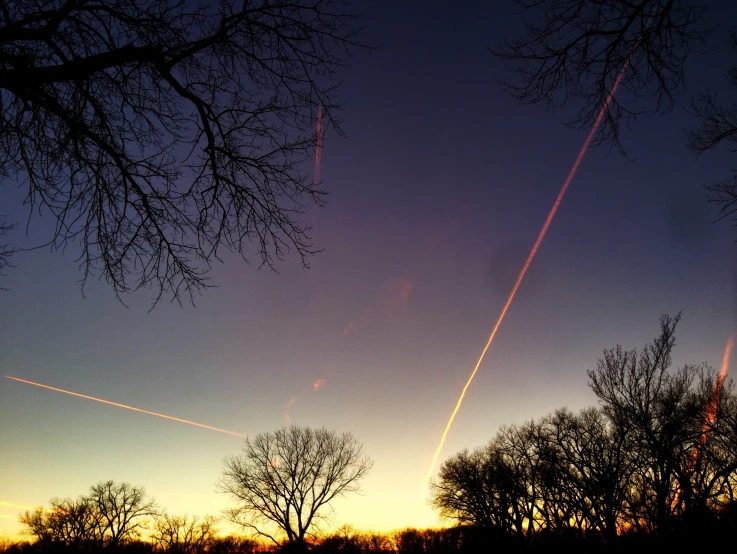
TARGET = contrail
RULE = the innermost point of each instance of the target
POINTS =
(318, 144)
(711, 414)
(13, 505)
(711, 410)
(129, 407)
(316, 181)
(530, 257)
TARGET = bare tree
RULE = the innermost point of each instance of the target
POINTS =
(592, 466)
(72, 524)
(664, 416)
(109, 516)
(158, 134)
(718, 125)
(183, 534)
(575, 49)
(658, 455)
(525, 451)
(287, 479)
(231, 544)
(122, 510)
(473, 489)
(495, 488)
(708, 484)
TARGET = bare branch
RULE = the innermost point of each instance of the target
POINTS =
(574, 50)
(156, 134)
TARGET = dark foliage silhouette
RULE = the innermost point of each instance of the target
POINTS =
(184, 535)
(111, 515)
(652, 468)
(646, 463)
(718, 125)
(573, 50)
(159, 134)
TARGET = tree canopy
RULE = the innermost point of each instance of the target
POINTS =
(572, 52)
(159, 134)
(109, 516)
(657, 457)
(284, 481)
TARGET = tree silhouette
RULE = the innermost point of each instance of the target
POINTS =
(183, 534)
(661, 414)
(111, 515)
(647, 462)
(590, 467)
(287, 480)
(573, 50)
(72, 524)
(121, 509)
(494, 488)
(157, 135)
(718, 125)
(471, 489)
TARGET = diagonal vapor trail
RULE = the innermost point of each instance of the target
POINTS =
(180, 420)
(318, 145)
(316, 182)
(711, 414)
(530, 256)
(711, 410)
(13, 505)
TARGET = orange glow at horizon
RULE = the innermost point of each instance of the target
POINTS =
(528, 261)
(125, 406)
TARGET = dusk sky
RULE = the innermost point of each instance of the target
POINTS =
(436, 196)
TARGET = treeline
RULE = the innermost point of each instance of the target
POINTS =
(656, 462)
(346, 539)
(119, 517)
(654, 466)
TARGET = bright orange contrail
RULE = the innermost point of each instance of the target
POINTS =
(129, 407)
(711, 410)
(711, 414)
(530, 257)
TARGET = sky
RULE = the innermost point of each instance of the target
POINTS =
(436, 196)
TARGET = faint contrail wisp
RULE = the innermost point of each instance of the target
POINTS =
(318, 144)
(13, 505)
(180, 420)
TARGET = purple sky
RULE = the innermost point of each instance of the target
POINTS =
(437, 195)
